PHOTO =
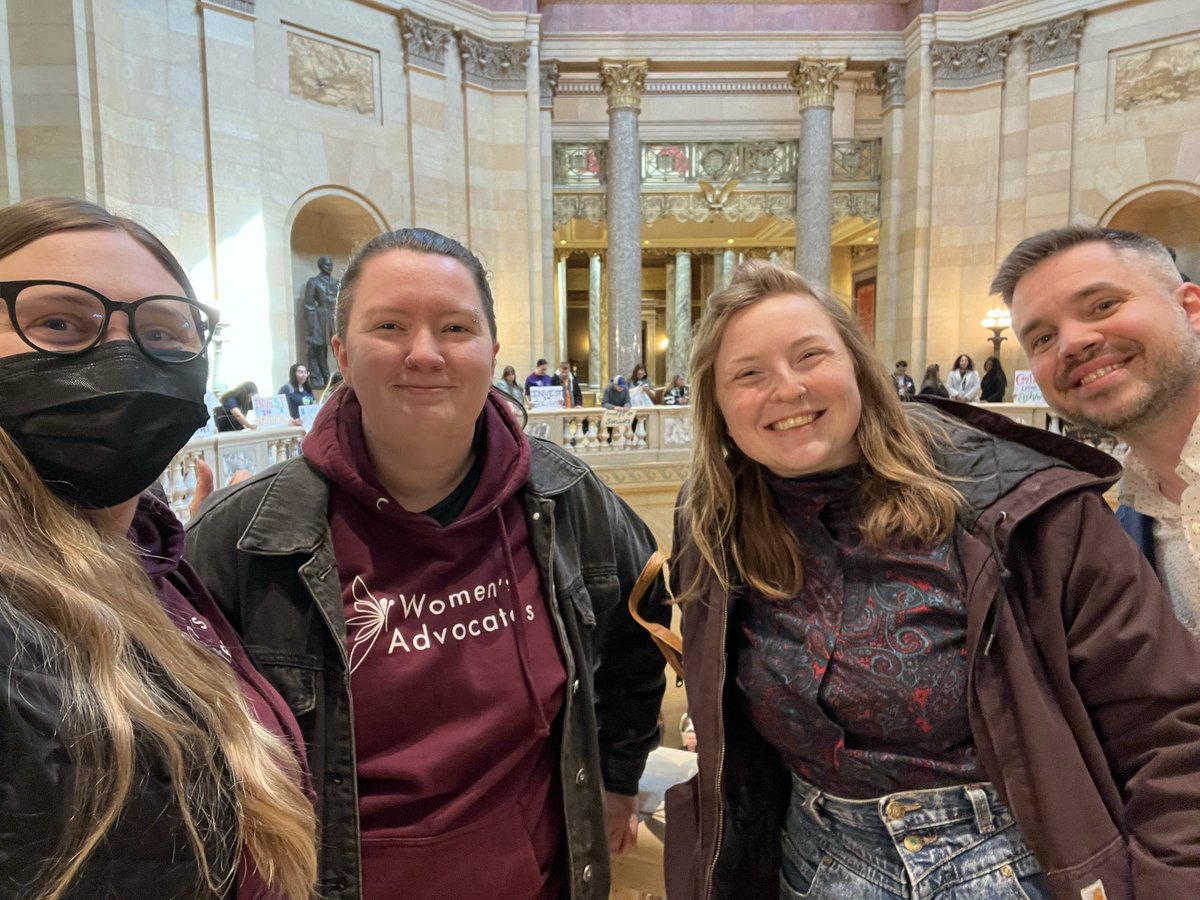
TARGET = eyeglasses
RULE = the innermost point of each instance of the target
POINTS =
(61, 318)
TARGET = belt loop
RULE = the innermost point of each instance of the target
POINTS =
(982, 808)
(812, 807)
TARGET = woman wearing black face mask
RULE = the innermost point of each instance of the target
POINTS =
(141, 755)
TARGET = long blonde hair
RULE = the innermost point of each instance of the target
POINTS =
(132, 679)
(733, 518)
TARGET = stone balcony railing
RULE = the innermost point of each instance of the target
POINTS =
(658, 439)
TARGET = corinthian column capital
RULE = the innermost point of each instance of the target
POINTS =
(624, 80)
(815, 80)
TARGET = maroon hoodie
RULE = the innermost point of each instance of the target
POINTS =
(456, 676)
(158, 537)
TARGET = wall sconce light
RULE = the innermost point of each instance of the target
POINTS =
(997, 320)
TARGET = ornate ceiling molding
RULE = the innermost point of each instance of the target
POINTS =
(969, 63)
(624, 80)
(1053, 43)
(425, 41)
(890, 81)
(547, 82)
(815, 80)
(494, 65)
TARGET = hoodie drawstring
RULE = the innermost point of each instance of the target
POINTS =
(1001, 595)
(542, 726)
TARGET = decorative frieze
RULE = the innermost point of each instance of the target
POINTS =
(969, 63)
(425, 41)
(743, 206)
(890, 82)
(815, 80)
(686, 87)
(624, 81)
(547, 82)
(1053, 43)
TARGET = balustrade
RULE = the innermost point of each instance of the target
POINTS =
(657, 434)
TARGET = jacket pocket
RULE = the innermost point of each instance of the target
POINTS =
(296, 683)
(681, 847)
(581, 601)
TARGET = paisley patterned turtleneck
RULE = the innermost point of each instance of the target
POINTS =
(861, 681)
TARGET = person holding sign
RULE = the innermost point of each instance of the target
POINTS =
(441, 600)
(922, 659)
(297, 391)
(1112, 332)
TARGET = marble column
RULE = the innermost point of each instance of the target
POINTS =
(560, 309)
(718, 270)
(815, 81)
(594, 377)
(681, 336)
(729, 263)
(623, 83)
(669, 314)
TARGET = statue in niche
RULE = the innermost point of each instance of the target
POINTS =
(320, 311)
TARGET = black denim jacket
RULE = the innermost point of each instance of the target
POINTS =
(264, 550)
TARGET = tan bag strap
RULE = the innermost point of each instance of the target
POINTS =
(668, 642)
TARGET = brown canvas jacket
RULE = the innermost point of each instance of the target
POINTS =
(1085, 708)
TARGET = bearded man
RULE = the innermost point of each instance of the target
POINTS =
(1111, 331)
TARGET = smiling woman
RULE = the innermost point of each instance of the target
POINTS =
(846, 563)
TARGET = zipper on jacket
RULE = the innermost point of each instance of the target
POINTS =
(568, 698)
(712, 866)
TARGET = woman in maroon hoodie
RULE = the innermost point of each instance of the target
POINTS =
(141, 755)
(441, 600)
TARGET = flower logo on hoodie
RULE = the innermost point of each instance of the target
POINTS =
(371, 621)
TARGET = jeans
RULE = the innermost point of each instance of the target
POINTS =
(955, 843)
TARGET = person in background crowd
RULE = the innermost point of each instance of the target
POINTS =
(616, 396)
(678, 393)
(1112, 332)
(539, 377)
(572, 392)
(425, 548)
(994, 382)
(921, 657)
(235, 403)
(931, 384)
(141, 754)
(297, 391)
(507, 385)
(963, 382)
(641, 391)
(903, 382)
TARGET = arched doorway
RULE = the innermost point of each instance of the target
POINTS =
(331, 222)
(1168, 211)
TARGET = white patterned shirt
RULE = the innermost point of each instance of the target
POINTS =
(1176, 526)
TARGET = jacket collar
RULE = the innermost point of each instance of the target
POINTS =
(992, 458)
(292, 516)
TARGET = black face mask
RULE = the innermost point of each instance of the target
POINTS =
(99, 428)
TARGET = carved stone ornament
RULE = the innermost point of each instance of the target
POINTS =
(969, 63)
(548, 82)
(624, 80)
(863, 204)
(589, 207)
(497, 66)
(890, 81)
(815, 80)
(741, 207)
(245, 7)
(425, 41)
(1053, 43)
